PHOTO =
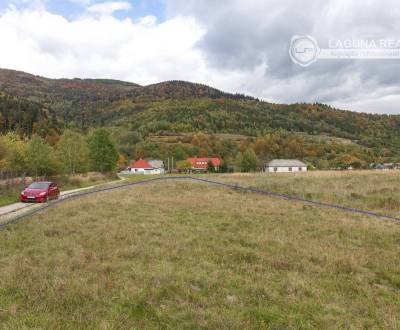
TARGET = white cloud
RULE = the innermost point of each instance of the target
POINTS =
(245, 35)
(145, 52)
(108, 8)
(235, 47)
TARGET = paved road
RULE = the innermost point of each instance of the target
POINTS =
(5, 210)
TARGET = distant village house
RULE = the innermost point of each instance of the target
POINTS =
(150, 167)
(386, 166)
(201, 164)
(285, 166)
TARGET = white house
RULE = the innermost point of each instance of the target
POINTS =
(285, 166)
(141, 166)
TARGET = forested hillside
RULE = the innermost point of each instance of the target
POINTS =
(26, 117)
(135, 114)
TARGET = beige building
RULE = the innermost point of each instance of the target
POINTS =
(285, 166)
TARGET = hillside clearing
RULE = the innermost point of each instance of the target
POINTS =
(186, 255)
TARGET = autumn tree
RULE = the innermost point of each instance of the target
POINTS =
(183, 165)
(121, 162)
(15, 156)
(40, 158)
(73, 152)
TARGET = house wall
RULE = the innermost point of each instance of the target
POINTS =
(285, 169)
(202, 169)
(156, 171)
(146, 171)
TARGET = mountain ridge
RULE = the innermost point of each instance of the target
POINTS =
(9, 78)
(180, 106)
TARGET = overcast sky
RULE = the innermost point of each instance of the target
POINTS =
(234, 45)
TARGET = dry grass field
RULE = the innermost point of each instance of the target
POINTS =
(377, 191)
(188, 255)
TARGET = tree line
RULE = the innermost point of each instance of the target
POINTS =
(244, 154)
(72, 153)
(106, 150)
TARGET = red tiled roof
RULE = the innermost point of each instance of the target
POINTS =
(203, 162)
(141, 163)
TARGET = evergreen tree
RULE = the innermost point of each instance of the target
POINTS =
(103, 154)
(249, 162)
(223, 168)
(210, 167)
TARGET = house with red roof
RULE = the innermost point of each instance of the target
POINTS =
(201, 164)
(146, 167)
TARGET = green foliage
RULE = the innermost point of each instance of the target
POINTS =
(316, 133)
(249, 162)
(179, 152)
(210, 167)
(322, 152)
(40, 160)
(15, 156)
(183, 165)
(25, 117)
(223, 168)
(3, 154)
(103, 154)
(73, 152)
(238, 162)
(145, 149)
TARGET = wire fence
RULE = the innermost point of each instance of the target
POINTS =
(238, 187)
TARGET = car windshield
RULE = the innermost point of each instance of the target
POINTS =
(39, 185)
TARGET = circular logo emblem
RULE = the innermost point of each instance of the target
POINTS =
(303, 50)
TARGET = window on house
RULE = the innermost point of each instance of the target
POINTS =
(290, 169)
(275, 169)
(300, 169)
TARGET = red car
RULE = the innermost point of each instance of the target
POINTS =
(40, 192)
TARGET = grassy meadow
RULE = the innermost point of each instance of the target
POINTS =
(377, 191)
(189, 255)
